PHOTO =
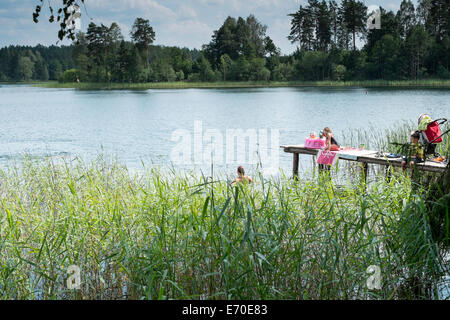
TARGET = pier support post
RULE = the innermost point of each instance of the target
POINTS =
(365, 171)
(295, 166)
(388, 173)
(324, 167)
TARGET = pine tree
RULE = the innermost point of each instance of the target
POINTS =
(323, 32)
(438, 23)
(406, 17)
(122, 62)
(143, 36)
(313, 13)
(354, 17)
(302, 28)
(343, 33)
(423, 12)
(96, 38)
(334, 21)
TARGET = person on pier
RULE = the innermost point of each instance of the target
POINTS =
(415, 150)
(330, 142)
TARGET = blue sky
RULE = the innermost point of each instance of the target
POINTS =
(186, 23)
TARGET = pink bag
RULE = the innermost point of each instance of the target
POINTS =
(327, 157)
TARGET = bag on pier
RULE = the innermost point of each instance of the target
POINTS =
(327, 157)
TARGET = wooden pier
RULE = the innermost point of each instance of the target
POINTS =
(365, 157)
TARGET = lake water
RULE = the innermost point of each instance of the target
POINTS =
(138, 126)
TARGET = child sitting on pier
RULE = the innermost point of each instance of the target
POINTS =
(331, 143)
(415, 151)
(242, 177)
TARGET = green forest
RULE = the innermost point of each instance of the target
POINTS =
(332, 40)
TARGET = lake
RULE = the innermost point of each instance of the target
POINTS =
(151, 126)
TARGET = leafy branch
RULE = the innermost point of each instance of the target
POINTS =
(65, 16)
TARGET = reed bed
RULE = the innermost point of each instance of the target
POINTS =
(178, 235)
(426, 83)
(169, 234)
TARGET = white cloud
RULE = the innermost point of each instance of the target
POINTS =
(186, 12)
(147, 7)
(187, 33)
(150, 6)
(252, 4)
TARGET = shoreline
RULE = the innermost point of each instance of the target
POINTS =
(427, 84)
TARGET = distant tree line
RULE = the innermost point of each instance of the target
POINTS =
(24, 63)
(413, 43)
(238, 51)
(102, 55)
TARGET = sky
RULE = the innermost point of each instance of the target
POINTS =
(183, 23)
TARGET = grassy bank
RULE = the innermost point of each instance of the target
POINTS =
(175, 235)
(34, 83)
(185, 85)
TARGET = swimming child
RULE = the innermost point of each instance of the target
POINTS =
(242, 177)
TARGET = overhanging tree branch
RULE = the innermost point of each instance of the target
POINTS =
(65, 15)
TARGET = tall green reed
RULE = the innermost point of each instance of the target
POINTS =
(173, 235)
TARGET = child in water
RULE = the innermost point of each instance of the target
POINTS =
(330, 141)
(415, 150)
(242, 177)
